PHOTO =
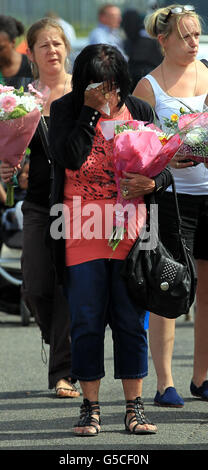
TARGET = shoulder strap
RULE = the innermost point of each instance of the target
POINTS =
(43, 132)
(151, 199)
(205, 62)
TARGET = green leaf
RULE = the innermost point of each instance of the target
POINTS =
(17, 112)
(27, 151)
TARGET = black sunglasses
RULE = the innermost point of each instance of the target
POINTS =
(178, 10)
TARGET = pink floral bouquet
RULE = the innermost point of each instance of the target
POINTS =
(20, 113)
(138, 148)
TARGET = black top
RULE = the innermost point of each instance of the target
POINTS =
(71, 139)
(39, 172)
(144, 55)
(22, 77)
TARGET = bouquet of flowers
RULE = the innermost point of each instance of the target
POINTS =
(137, 148)
(20, 113)
(194, 127)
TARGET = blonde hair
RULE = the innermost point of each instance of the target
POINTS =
(157, 23)
(45, 23)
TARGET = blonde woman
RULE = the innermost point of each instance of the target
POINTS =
(180, 80)
(48, 49)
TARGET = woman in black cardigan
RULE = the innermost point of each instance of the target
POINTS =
(83, 168)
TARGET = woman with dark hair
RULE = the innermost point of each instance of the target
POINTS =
(84, 180)
(13, 65)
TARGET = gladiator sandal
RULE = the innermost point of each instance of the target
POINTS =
(87, 420)
(141, 424)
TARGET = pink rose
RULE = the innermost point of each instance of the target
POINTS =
(8, 103)
(35, 91)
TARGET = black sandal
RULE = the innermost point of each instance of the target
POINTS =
(87, 409)
(136, 406)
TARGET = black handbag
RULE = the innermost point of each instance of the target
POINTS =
(155, 280)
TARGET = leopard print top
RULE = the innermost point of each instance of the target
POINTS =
(96, 178)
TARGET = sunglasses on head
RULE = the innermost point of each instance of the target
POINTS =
(178, 10)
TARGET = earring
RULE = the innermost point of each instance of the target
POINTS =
(67, 64)
(34, 69)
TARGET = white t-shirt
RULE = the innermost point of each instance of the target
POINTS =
(191, 180)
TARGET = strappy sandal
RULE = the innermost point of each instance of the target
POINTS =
(66, 392)
(87, 420)
(142, 424)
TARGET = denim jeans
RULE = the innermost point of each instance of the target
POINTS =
(97, 295)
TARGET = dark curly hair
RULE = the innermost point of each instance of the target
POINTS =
(12, 27)
(98, 63)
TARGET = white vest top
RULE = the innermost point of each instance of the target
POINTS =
(191, 180)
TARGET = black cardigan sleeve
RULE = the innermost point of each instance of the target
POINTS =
(71, 139)
(162, 180)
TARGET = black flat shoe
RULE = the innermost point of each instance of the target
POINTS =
(200, 392)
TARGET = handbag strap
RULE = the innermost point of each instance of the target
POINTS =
(43, 132)
(152, 200)
(178, 217)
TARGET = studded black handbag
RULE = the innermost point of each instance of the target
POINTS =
(155, 280)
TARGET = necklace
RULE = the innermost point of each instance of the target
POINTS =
(65, 85)
(164, 82)
(40, 86)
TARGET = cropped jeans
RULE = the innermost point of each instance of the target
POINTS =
(97, 295)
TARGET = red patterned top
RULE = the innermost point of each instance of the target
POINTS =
(89, 195)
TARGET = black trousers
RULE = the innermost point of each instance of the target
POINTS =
(42, 294)
(194, 217)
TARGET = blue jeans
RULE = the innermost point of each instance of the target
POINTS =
(97, 295)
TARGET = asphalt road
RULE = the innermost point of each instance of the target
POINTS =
(33, 419)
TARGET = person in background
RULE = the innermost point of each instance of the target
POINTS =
(69, 30)
(180, 81)
(107, 30)
(152, 5)
(13, 65)
(47, 51)
(143, 52)
(22, 46)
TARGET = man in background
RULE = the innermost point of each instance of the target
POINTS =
(107, 30)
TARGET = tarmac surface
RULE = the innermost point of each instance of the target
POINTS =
(33, 420)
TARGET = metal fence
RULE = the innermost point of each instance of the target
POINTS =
(81, 13)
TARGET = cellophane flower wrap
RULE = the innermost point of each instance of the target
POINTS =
(195, 129)
(20, 113)
(193, 126)
(138, 148)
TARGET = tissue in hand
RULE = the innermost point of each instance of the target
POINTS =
(106, 107)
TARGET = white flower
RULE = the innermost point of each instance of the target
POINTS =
(195, 136)
(25, 102)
